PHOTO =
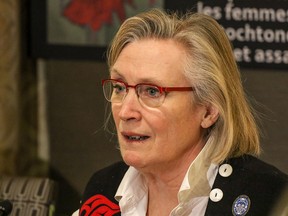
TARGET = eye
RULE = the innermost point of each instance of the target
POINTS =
(150, 91)
(118, 88)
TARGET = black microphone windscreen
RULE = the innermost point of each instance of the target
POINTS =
(6, 207)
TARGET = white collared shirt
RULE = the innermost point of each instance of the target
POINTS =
(193, 195)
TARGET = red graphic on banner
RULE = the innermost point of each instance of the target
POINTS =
(96, 13)
(99, 205)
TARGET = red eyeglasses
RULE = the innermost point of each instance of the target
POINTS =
(148, 94)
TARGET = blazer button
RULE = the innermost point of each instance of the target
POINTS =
(225, 170)
(216, 195)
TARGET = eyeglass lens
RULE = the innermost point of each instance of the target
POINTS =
(115, 92)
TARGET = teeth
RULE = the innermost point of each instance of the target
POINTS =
(137, 137)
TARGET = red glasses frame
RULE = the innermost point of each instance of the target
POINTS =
(161, 89)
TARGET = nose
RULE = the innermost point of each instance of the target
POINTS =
(130, 107)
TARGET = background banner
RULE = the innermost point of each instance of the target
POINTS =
(258, 29)
(69, 29)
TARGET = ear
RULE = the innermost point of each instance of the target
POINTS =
(210, 117)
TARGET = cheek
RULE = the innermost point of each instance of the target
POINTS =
(165, 124)
(185, 120)
(160, 124)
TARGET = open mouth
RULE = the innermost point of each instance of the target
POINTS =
(136, 138)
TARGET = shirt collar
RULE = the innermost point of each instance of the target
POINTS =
(132, 180)
(196, 183)
(132, 193)
(199, 177)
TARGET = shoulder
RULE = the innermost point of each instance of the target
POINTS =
(255, 169)
(259, 184)
(254, 174)
(105, 181)
(258, 177)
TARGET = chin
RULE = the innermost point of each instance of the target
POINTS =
(132, 159)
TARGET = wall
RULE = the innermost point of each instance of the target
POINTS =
(9, 86)
(269, 90)
(75, 109)
(79, 145)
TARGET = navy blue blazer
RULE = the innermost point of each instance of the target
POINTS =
(252, 189)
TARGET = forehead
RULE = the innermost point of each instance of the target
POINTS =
(151, 60)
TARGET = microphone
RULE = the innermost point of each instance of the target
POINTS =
(5, 207)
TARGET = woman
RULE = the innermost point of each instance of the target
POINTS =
(185, 129)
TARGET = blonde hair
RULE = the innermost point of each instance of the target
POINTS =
(212, 70)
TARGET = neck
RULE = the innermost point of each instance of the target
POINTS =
(164, 184)
(163, 188)
(162, 198)
(170, 172)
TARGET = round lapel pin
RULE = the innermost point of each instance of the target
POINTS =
(241, 205)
